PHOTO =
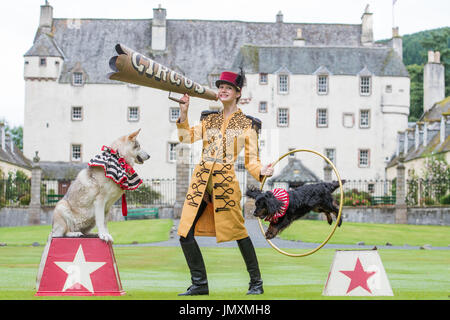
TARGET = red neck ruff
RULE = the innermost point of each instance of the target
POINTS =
(283, 196)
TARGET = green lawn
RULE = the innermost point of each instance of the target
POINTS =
(161, 272)
(152, 230)
(123, 232)
(370, 233)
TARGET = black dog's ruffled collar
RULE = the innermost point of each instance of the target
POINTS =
(283, 196)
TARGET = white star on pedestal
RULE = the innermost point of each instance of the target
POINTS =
(79, 270)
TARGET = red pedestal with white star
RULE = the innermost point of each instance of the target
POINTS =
(78, 267)
(357, 273)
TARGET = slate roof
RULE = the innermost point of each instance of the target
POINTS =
(11, 153)
(15, 158)
(44, 45)
(434, 146)
(199, 47)
(294, 172)
(60, 170)
(307, 60)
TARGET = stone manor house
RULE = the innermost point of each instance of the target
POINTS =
(322, 86)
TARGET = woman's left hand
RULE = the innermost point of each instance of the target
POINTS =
(267, 170)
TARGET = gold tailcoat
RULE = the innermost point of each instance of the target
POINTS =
(223, 140)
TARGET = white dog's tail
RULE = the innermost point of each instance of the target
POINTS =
(43, 260)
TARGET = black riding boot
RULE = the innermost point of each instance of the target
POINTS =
(251, 261)
(197, 268)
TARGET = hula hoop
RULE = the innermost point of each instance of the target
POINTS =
(337, 219)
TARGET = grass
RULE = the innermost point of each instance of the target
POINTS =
(160, 273)
(123, 232)
(153, 230)
(370, 233)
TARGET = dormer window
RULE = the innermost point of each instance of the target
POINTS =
(77, 78)
(364, 85)
(322, 80)
(283, 83)
(322, 84)
(365, 82)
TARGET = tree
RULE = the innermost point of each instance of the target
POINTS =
(415, 52)
(439, 40)
(416, 91)
(16, 134)
(436, 178)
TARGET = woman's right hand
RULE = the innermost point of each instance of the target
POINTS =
(184, 107)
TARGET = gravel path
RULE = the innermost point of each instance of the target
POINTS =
(260, 242)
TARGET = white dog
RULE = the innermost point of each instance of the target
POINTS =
(96, 188)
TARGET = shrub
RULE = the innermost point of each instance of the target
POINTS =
(356, 198)
(427, 201)
(445, 199)
(25, 200)
(143, 195)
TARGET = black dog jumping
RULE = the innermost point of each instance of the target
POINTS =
(309, 197)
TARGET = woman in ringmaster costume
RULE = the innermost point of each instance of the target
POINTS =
(212, 204)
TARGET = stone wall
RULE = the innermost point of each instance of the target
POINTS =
(12, 217)
(429, 216)
(368, 215)
(414, 215)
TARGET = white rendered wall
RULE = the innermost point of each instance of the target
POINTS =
(49, 129)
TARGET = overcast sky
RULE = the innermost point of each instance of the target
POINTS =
(19, 20)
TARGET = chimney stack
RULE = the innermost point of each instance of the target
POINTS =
(2, 132)
(397, 42)
(433, 80)
(399, 141)
(46, 18)
(425, 134)
(405, 143)
(12, 144)
(8, 141)
(279, 17)
(437, 57)
(299, 41)
(159, 29)
(367, 27)
(416, 136)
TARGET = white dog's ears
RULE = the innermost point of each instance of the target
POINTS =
(133, 135)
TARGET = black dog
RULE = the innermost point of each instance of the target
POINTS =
(309, 197)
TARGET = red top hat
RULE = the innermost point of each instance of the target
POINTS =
(230, 78)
